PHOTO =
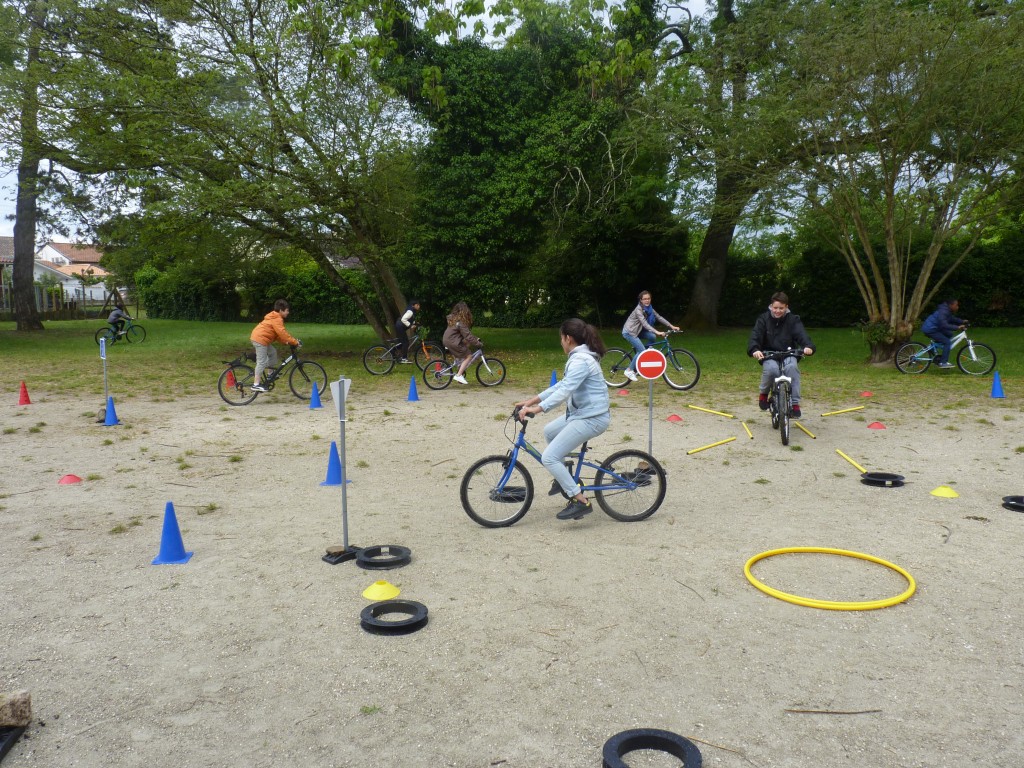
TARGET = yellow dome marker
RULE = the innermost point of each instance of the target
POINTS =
(945, 492)
(381, 590)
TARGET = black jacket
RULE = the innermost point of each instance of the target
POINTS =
(770, 334)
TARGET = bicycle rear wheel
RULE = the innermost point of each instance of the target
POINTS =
(489, 505)
(682, 371)
(913, 357)
(306, 375)
(783, 405)
(621, 502)
(234, 385)
(427, 351)
(614, 365)
(378, 360)
(976, 359)
(105, 333)
(437, 375)
(490, 372)
(136, 334)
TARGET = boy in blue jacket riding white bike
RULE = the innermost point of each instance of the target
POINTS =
(940, 327)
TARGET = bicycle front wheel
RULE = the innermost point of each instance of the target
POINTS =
(235, 385)
(489, 505)
(378, 360)
(614, 365)
(976, 359)
(617, 499)
(682, 371)
(783, 405)
(135, 334)
(437, 375)
(490, 372)
(427, 351)
(306, 375)
(105, 333)
(913, 357)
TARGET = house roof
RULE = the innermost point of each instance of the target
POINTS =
(78, 254)
(76, 270)
(6, 250)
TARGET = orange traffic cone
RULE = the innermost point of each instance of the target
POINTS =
(23, 396)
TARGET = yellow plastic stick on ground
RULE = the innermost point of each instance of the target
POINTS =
(858, 466)
(749, 433)
(708, 410)
(845, 410)
(712, 445)
(805, 429)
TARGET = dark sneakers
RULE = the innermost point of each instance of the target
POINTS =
(762, 401)
(574, 510)
(794, 411)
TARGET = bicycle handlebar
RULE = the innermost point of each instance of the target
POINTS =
(778, 354)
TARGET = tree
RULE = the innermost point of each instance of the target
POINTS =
(912, 148)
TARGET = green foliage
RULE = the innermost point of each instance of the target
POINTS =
(180, 293)
(313, 297)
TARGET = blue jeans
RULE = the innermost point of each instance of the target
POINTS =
(639, 344)
(563, 435)
(946, 342)
(770, 371)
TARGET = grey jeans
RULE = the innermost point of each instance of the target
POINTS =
(770, 371)
(266, 355)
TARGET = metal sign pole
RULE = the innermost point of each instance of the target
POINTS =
(335, 555)
(650, 416)
(103, 357)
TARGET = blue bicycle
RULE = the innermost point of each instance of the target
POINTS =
(497, 490)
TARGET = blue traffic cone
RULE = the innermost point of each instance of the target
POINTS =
(333, 467)
(172, 548)
(111, 415)
(554, 378)
(314, 397)
(997, 386)
(413, 394)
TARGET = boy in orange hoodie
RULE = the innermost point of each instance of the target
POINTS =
(264, 335)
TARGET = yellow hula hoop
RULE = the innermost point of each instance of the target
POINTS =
(831, 605)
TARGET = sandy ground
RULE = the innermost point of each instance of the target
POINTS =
(545, 639)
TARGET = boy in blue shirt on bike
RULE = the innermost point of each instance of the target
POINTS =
(940, 327)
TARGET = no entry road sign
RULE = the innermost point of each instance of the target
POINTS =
(651, 363)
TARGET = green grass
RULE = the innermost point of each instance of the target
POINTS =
(185, 358)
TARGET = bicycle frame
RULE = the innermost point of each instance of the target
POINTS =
(934, 346)
(454, 366)
(522, 444)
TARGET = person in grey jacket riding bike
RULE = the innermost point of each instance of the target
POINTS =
(639, 329)
(587, 414)
(777, 330)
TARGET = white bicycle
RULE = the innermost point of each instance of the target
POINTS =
(975, 359)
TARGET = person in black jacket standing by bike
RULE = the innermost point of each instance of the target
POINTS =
(776, 330)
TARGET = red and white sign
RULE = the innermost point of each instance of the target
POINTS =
(651, 363)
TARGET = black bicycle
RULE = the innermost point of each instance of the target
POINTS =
(381, 358)
(780, 401)
(131, 331)
(235, 383)
(682, 371)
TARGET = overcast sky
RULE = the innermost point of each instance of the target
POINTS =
(8, 177)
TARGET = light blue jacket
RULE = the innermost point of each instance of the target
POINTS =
(582, 385)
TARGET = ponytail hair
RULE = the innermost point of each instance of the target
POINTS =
(583, 333)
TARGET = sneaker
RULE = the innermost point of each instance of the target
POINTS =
(460, 379)
(404, 361)
(258, 388)
(795, 411)
(555, 488)
(630, 374)
(946, 365)
(574, 510)
(762, 401)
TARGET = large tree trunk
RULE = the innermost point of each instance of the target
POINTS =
(24, 300)
(702, 313)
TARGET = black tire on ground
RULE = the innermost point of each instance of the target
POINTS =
(105, 333)
(909, 358)
(416, 614)
(651, 739)
(383, 557)
(437, 375)
(976, 359)
(492, 373)
(434, 351)
(136, 334)
(682, 371)
(784, 406)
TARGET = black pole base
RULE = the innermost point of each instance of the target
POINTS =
(337, 555)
